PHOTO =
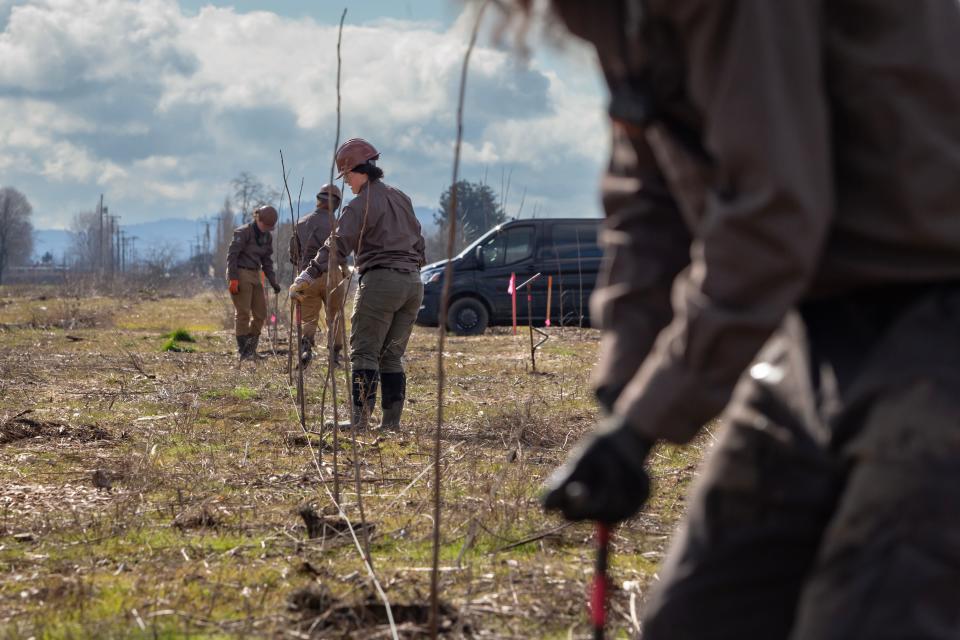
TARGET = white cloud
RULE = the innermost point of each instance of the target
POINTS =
(162, 108)
(158, 163)
(53, 45)
(65, 161)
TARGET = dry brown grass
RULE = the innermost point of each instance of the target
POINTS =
(158, 494)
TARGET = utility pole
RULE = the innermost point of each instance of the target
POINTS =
(100, 235)
(105, 211)
(119, 267)
(198, 253)
(109, 244)
(112, 234)
(207, 259)
(110, 223)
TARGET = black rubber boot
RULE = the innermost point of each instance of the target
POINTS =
(252, 347)
(306, 351)
(364, 382)
(393, 392)
(242, 346)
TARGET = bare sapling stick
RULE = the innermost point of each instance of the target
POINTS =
(442, 331)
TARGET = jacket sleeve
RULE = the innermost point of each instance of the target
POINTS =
(316, 241)
(348, 236)
(421, 248)
(267, 264)
(233, 252)
(755, 72)
(645, 245)
(293, 248)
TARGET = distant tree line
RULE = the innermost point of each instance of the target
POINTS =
(97, 243)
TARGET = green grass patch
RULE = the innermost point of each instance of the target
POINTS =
(180, 335)
(244, 393)
(172, 345)
(174, 338)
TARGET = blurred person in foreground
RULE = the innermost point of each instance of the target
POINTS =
(380, 228)
(250, 252)
(311, 233)
(783, 249)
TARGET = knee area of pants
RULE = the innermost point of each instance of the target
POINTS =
(359, 364)
(390, 368)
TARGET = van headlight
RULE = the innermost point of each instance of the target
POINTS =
(429, 277)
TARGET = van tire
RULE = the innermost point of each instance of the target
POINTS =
(467, 317)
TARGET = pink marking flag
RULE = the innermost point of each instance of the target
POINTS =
(549, 298)
(512, 290)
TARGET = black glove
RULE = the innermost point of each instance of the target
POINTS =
(607, 396)
(603, 479)
(276, 287)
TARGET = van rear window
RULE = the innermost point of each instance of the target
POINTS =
(572, 241)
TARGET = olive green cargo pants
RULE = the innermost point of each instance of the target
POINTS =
(250, 304)
(830, 508)
(384, 311)
(315, 298)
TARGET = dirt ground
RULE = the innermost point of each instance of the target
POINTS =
(159, 494)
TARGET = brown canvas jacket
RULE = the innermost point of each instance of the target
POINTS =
(312, 231)
(251, 249)
(379, 226)
(765, 153)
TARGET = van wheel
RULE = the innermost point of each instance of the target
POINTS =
(467, 317)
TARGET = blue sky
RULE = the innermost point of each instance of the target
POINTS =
(441, 11)
(158, 104)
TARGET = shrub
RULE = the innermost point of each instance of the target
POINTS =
(181, 335)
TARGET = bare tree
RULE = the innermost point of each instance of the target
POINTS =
(226, 221)
(249, 193)
(16, 232)
(85, 244)
(160, 259)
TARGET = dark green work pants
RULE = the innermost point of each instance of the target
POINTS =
(384, 311)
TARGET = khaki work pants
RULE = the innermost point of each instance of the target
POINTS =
(830, 508)
(386, 306)
(315, 298)
(250, 303)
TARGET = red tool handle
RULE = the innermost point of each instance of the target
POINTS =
(598, 593)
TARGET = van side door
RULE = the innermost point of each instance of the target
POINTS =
(510, 251)
(574, 257)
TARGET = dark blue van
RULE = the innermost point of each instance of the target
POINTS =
(564, 248)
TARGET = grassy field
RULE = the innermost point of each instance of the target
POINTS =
(158, 494)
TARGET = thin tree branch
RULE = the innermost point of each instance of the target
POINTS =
(442, 331)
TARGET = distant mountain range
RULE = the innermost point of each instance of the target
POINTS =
(179, 233)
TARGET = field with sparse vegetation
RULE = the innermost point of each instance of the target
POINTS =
(150, 488)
